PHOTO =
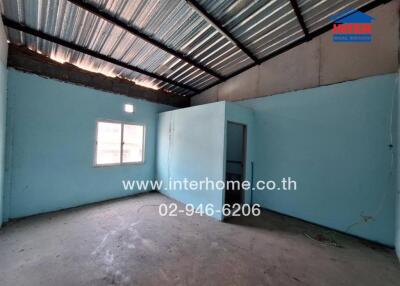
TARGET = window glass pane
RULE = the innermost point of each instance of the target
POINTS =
(133, 143)
(108, 143)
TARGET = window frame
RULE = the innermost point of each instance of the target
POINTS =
(121, 163)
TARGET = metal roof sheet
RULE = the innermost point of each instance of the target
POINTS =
(316, 13)
(262, 26)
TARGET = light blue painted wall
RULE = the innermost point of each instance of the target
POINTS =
(50, 144)
(334, 141)
(191, 146)
(3, 105)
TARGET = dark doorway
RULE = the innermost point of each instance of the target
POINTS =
(235, 162)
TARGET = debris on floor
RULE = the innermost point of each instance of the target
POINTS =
(327, 238)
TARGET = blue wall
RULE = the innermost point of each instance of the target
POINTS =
(3, 105)
(334, 141)
(50, 144)
(191, 146)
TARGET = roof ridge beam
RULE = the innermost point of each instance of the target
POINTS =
(115, 21)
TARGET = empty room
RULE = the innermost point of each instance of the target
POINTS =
(199, 142)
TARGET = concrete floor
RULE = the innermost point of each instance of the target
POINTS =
(126, 242)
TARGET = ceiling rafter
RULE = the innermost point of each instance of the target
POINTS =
(215, 23)
(138, 33)
(20, 27)
(300, 18)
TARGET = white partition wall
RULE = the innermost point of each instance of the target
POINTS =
(191, 146)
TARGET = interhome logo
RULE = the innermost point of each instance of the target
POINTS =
(352, 26)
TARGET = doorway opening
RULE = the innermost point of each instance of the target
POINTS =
(235, 163)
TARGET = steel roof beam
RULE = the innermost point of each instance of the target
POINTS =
(108, 17)
(20, 27)
(300, 18)
(214, 22)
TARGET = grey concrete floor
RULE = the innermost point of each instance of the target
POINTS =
(126, 242)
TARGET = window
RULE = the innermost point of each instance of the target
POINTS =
(108, 143)
(132, 144)
(119, 143)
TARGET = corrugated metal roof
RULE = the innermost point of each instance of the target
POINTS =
(262, 26)
(316, 13)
